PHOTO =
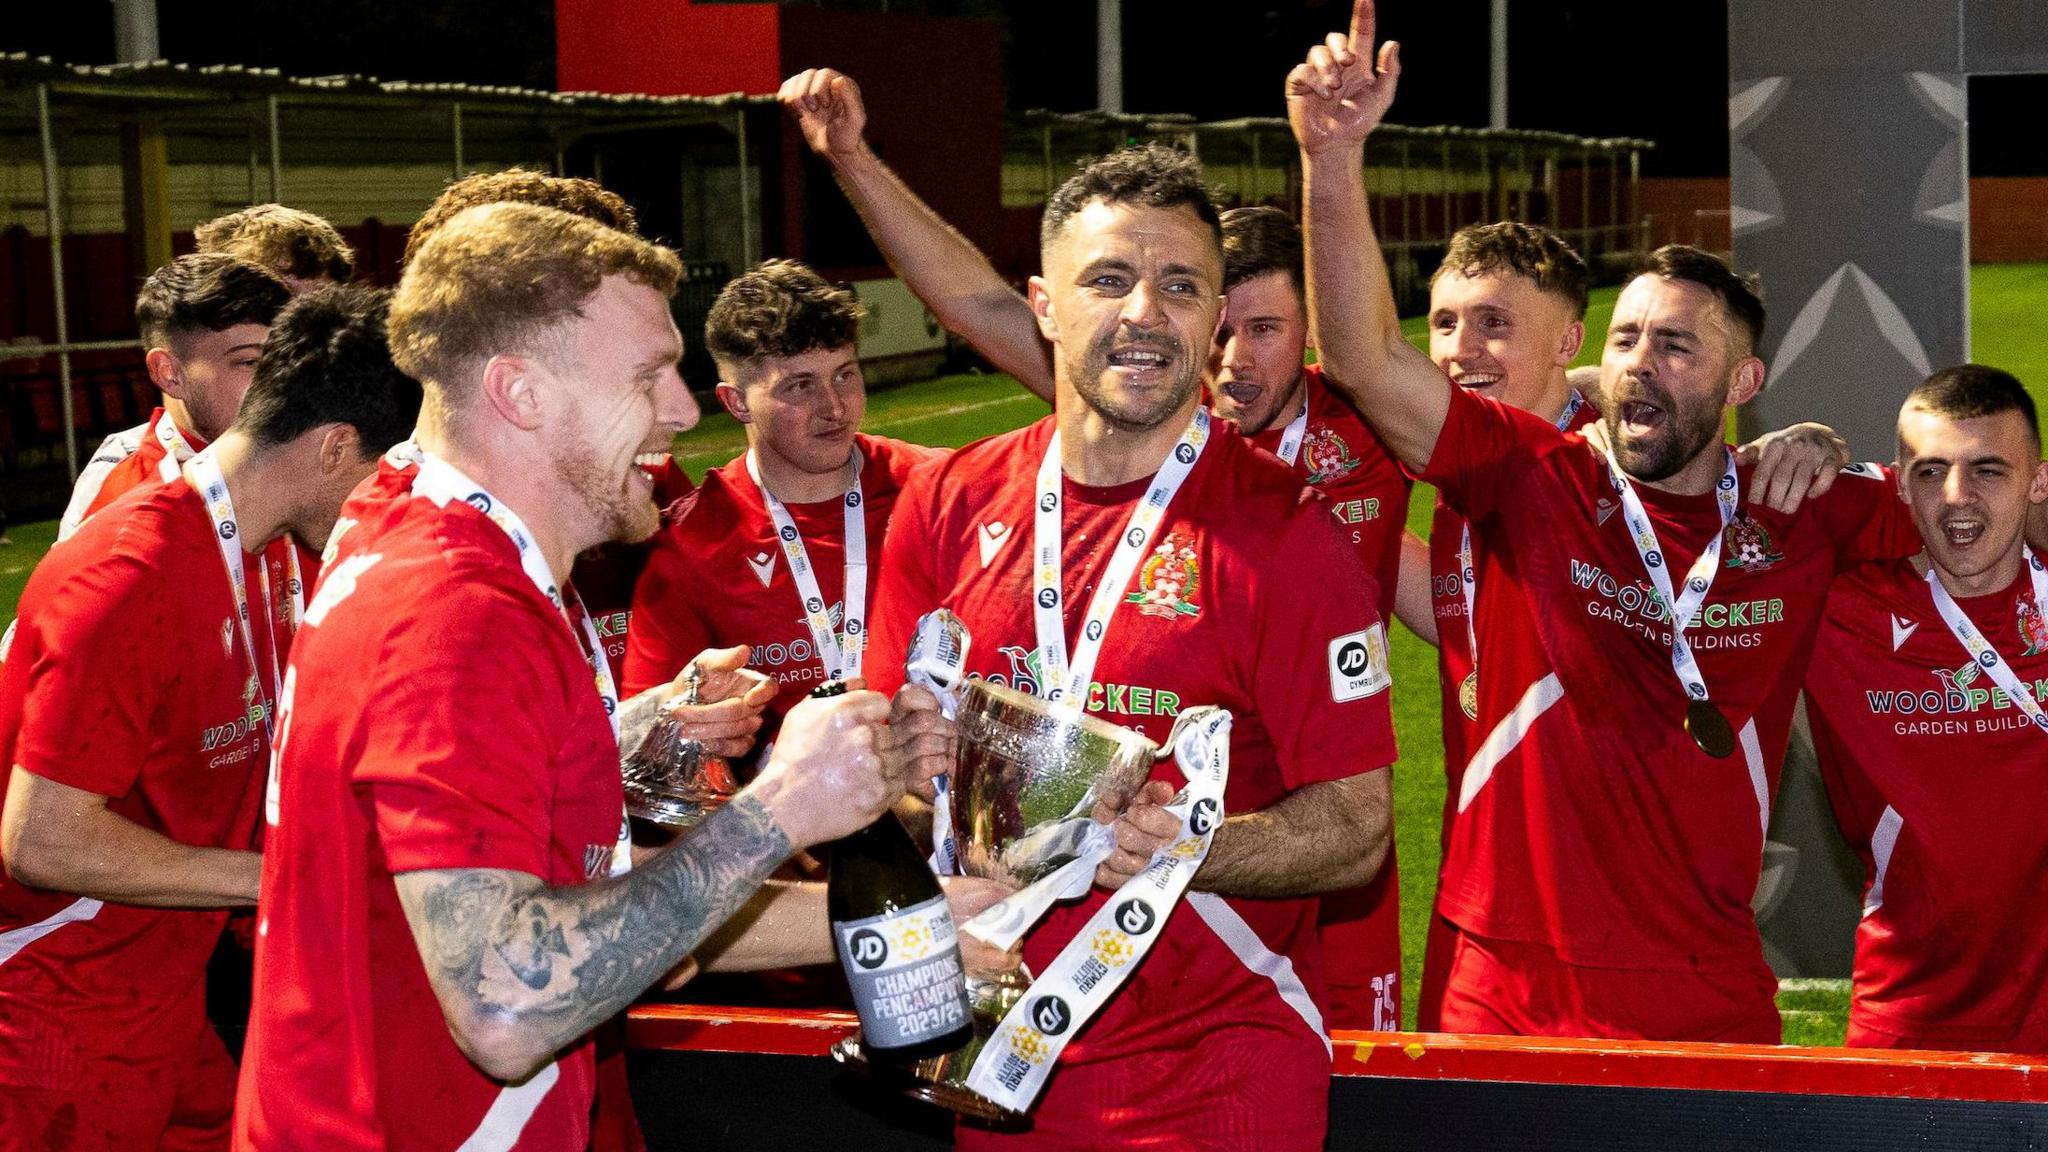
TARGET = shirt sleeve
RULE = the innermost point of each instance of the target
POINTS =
(1484, 446)
(460, 742)
(668, 628)
(97, 666)
(1866, 518)
(1319, 665)
(906, 587)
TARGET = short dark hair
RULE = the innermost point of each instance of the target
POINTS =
(1260, 240)
(1967, 391)
(206, 291)
(1153, 175)
(288, 241)
(779, 308)
(327, 360)
(1537, 254)
(571, 194)
(1738, 293)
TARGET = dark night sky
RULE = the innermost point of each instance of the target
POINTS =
(1655, 69)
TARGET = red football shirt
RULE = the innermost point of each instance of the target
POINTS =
(128, 679)
(1265, 589)
(455, 725)
(1935, 776)
(1366, 488)
(717, 576)
(1588, 821)
(1367, 491)
(606, 575)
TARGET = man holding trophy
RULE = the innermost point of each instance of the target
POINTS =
(1130, 558)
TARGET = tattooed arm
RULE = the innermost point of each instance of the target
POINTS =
(522, 969)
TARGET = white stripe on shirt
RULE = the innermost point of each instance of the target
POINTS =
(506, 1120)
(1252, 952)
(15, 939)
(1507, 735)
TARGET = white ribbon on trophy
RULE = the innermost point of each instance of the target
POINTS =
(1012, 1068)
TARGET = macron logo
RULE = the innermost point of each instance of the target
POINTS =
(991, 540)
(763, 564)
(1901, 629)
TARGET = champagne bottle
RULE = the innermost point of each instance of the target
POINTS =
(897, 943)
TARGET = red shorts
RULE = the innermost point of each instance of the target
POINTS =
(182, 1105)
(1223, 1093)
(1436, 969)
(1862, 1034)
(1510, 988)
(1360, 933)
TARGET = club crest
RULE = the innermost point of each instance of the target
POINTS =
(1168, 580)
(1328, 456)
(2033, 627)
(1746, 546)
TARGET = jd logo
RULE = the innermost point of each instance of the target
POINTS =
(1135, 917)
(1047, 597)
(1185, 453)
(868, 948)
(1048, 502)
(1203, 816)
(1352, 658)
(481, 501)
(1051, 1015)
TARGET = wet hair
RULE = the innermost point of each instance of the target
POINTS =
(571, 194)
(1968, 391)
(210, 292)
(287, 241)
(1153, 175)
(504, 278)
(1260, 240)
(1535, 254)
(327, 361)
(779, 308)
(1738, 294)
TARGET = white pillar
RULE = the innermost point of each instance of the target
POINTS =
(135, 31)
(1498, 89)
(1109, 55)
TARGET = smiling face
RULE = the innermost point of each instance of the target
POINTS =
(801, 411)
(1131, 299)
(615, 398)
(1971, 482)
(1255, 375)
(1673, 363)
(1501, 336)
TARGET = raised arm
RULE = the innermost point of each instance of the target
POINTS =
(64, 838)
(522, 969)
(1334, 100)
(940, 265)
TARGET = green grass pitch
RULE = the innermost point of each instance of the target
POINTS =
(2006, 302)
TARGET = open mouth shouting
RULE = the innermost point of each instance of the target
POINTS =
(1477, 380)
(1642, 417)
(1961, 531)
(1142, 363)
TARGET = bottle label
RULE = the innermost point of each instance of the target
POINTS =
(905, 972)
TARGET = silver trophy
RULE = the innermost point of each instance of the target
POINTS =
(1028, 777)
(670, 779)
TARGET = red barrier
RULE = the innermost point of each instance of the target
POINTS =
(1436, 1056)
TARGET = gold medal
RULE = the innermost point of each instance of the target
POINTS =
(1709, 729)
(1468, 695)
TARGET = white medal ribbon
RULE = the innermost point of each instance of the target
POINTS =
(203, 473)
(440, 482)
(1290, 440)
(1468, 574)
(1065, 682)
(1697, 581)
(938, 664)
(177, 449)
(1014, 1064)
(1987, 657)
(840, 653)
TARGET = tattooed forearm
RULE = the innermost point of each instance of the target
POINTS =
(548, 964)
(636, 719)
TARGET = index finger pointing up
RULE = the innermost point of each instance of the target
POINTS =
(1364, 36)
